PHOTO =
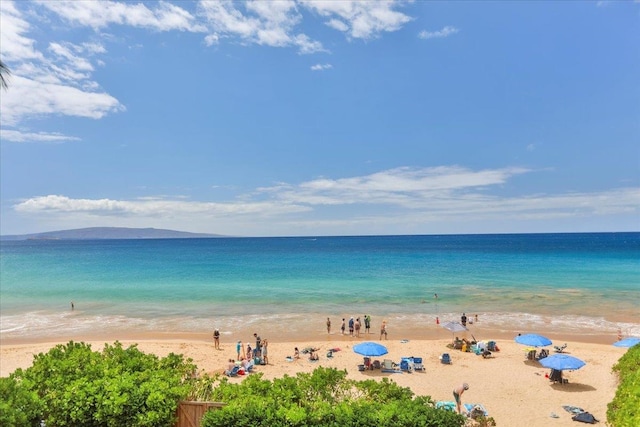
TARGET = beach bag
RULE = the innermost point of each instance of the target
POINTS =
(585, 417)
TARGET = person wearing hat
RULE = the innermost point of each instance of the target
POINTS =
(216, 339)
(457, 392)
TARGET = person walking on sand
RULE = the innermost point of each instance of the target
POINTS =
(383, 330)
(457, 392)
(357, 327)
(328, 326)
(351, 326)
(216, 339)
(343, 326)
(239, 349)
(367, 323)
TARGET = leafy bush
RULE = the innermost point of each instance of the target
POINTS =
(624, 409)
(18, 406)
(323, 398)
(118, 387)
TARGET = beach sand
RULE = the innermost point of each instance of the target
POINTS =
(513, 390)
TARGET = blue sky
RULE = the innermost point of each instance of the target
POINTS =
(279, 118)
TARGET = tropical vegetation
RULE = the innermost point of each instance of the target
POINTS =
(624, 409)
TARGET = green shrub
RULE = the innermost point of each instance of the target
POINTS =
(323, 398)
(76, 386)
(18, 405)
(624, 409)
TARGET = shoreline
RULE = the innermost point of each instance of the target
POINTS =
(316, 330)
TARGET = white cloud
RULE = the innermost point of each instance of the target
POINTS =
(100, 14)
(58, 82)
(152, 207)
(444, 32)
(321, 67)
(360, 19)
(275, 23)
(268, 23)
(15, 45)
(32, 98)
(19, 136)
(393, 197)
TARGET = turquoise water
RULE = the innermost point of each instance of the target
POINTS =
(572, 280)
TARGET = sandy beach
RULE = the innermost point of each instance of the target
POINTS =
(512, 389)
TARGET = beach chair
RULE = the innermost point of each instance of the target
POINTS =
(367, 363)
(389, 366)
(406, 365)
(376, 364)
(445, 359)
(560, 349)
(530, 353)
(417, 364)
(555, 376)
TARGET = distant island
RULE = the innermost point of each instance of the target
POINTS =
(97, 233)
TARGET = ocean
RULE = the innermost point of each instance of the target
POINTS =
(579, 283)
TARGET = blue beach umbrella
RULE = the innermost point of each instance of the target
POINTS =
(533, 340)
(562, 362)
(369, 348)
(627, 342)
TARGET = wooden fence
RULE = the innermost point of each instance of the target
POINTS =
(190, 413)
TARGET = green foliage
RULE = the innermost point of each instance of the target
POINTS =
(116, 387)
(18, 405)
(323, 398)
(624, 409)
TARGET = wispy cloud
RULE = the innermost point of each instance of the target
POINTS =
(360, 19)
(19, 136)
(268, 23)
(444, 32)
(396, 196)
(164, 16)
(321, 67)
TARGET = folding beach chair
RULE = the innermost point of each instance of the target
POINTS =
(389, 366)
(417, 364)
(445, 359)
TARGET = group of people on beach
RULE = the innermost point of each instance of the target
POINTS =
(355, 326)
(259, 353)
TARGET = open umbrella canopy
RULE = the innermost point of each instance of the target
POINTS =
(562, 362)
(369, 348)
(533, 340)
(454, 327)
(627, 342)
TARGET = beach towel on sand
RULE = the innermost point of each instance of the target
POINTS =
(585, 417)
(447, 406)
